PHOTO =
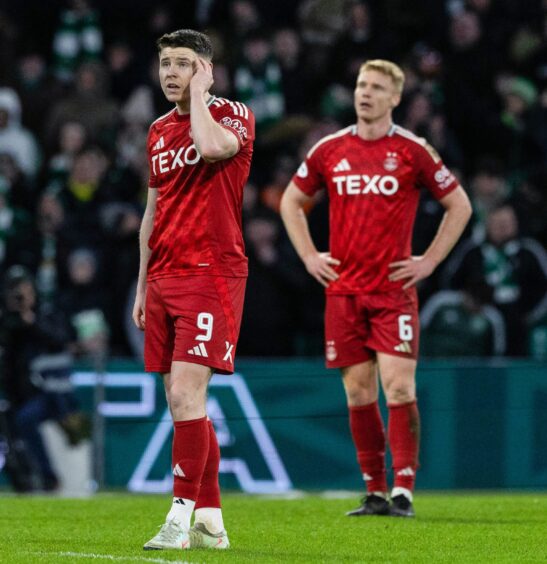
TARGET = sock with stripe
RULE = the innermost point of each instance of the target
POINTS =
(181, 511)
(367, 429)
(404, 442)
(189, 455)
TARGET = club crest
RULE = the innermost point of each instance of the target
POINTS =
(391, 162)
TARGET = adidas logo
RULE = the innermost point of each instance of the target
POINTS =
(342, 165)
(403, 347)
(159, 145)
(199, 350)
(406, 472)
(178, 471)
(367, 477)
(179, 500)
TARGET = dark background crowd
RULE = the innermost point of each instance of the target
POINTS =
(79, 89)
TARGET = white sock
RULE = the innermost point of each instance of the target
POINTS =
(402, 491)
(211, 517)
(181, 511)
(379, 494)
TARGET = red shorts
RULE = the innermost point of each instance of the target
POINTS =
(356, 326)
(193, 319)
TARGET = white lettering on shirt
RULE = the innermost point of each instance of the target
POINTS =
(174, 158)
(354, 184)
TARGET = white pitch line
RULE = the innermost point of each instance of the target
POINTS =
(109, 557)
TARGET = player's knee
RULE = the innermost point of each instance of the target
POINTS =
(184, 399)
(400, 393)
(180, 404)
(359, 394)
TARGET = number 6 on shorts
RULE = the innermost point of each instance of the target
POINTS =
(205, 322)
(405, 329)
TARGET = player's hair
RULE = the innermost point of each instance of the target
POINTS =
(195, 40)
(389, 69)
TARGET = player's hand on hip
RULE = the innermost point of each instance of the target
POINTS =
(412, 270)
(138, 312)
(320, 266)
(203, 77)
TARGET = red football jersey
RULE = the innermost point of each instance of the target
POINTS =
(197, 223)
(373, 189)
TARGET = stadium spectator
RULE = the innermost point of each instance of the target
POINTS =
(515, 269)
(443, 137)
(15, 140)
(521, 135)
(35, 369)
(131, 149)
(287, 48)
(192, 272)
(371, 318)
(21, 189)
(84, 301)
(15, 227)
(257, 81)
(489, 188)
(272, 333)
(530, 203)
(82, 198)
(120, 221)
(89, 103)
(359, 41)
(123, 70)
(470, 93)
(78, 38)
(46, 254)
(461, 324)
(243, 20)
(71, 140)
(38, 89)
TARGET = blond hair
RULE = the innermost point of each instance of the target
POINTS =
(389, 69)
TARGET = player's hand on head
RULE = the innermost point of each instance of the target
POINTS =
(320, 266)
(203, 76)
(412, 270)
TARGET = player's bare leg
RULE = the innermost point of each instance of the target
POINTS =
(398, 377)
(367, 429)
(185, 389)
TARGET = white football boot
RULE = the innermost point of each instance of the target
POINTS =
(200, 537)
(170, 536)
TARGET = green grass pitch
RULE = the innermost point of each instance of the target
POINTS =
(453, 528)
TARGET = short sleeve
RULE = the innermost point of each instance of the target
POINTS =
(308, 177)
(239, 119)
(432, 172)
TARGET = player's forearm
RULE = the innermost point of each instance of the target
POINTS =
(144, 235)
(450, 230)
(297, 227)
(212, 141)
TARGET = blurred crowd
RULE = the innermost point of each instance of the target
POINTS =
(79, 89)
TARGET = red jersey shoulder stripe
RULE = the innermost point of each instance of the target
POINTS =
(240, 109)
(398, 130)
(217, 102)
(350, 130)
